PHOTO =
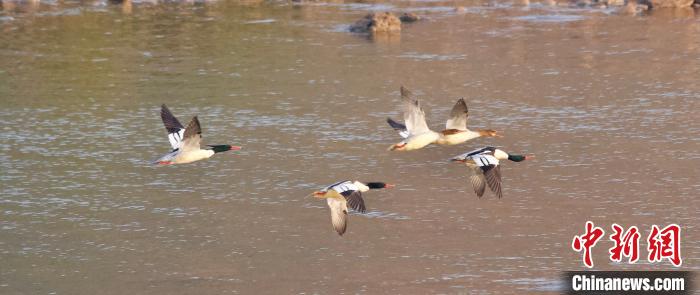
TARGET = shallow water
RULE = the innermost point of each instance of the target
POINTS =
(607, 103)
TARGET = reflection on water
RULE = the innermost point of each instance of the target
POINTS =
(604, 102)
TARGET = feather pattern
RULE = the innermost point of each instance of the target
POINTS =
(339, 214)
(478, 183)
(485, 169)
(192, 137)
(492, 173)
(351, 192)
(173, 126)
(458, 116)
(401, 128)
(356, 202)
(413, 116)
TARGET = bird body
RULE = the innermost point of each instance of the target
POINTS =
(485, 169)
(456, 136)
(416, 133)
(186, 141)
(417, 141)
(343, 195)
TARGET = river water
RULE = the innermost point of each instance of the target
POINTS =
(607, 103)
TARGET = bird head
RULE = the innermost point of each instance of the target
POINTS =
(379, 185)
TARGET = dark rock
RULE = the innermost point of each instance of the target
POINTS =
(377, 22)
(409, 17)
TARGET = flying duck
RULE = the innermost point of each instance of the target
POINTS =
(483, 164)
(186, 141)
(418, 135)
(415, 130)
(344, 194)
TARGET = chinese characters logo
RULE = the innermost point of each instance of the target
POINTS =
(662, 243)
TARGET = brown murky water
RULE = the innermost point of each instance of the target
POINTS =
(608, 104)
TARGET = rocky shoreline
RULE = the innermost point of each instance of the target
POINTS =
(388, 22)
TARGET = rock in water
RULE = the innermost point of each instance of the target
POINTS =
(409, 17)
(671, 3)
(377, 22)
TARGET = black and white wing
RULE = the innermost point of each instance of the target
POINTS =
(192, 136)
(341, 186)
(351, 193)
(490, 172)
(401, 128)
(175, 130)
(458, 116)
(355, 200)
(489, 150)
(413, 115)
(339, 214)
(493, 178)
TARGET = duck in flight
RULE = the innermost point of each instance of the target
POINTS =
(344, 194)
(186, 141)
(485, 169)
(416, 133)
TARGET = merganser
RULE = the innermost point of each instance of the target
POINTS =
(455, 132)
(186, 141)
(483, 163)
(344, 194)
(415, 132)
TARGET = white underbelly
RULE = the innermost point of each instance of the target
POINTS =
(192, 156)
(421, 140)
(457, 138)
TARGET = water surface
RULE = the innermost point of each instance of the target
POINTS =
(607, 103)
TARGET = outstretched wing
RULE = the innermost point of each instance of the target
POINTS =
(413, 115)
(401, 128)
(485, 169)
(492, 173)
(355, 201)
(339, 215)
(172, 125)
(458, 116)
(482, 151)
(351, 193)
(192, 136)
(478, 182)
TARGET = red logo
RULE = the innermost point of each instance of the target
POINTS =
(627, 245)
(587, 241)
(662, 243)
(665, 243)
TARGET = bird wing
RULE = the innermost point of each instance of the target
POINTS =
(458, 116)
(482, 151)
(173, 126)
(342, 186)
(339, 214)
(355, 201)
(413, 116)
(401, 128)
(478, 182)
(492, 173)
(350, 192)
(193, 136)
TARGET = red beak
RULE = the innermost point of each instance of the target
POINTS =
(389, 185)
(529, 157)
(235, 148)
